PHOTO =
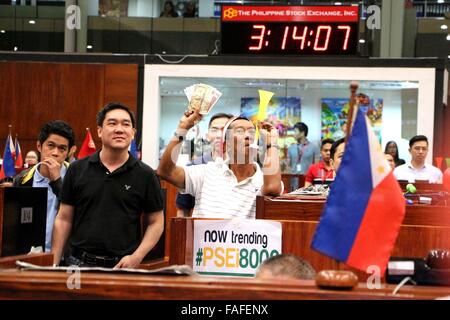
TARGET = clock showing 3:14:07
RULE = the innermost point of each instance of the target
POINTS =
(290, 38)
(290, 30)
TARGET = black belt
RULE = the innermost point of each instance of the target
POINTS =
(92, 259)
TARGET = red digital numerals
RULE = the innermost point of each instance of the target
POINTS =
(318, 38)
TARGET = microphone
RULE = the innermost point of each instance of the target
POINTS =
(410, 188)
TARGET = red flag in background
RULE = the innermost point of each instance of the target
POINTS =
(18, 164)
(88, 146)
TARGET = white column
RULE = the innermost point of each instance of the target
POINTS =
(410, 33)
(70, 35)
(206, 8)
(392, 17)
(88, 8)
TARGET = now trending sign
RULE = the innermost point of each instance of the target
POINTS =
(234, 247)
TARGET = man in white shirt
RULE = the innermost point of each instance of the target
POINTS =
(417, 169)
(226, 188)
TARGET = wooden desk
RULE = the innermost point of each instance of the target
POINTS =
(424, 186)
(284, 209)
(16, 284)
(424, 228)
(40, 259)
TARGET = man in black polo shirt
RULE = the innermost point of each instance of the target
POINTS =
(103, 198)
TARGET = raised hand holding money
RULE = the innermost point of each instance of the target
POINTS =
(202, 96)
(189, 119)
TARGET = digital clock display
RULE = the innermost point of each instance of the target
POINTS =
(297, 30)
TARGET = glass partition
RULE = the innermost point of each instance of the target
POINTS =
(401, 102)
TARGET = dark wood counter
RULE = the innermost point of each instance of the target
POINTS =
(283, 208)
(16, 284)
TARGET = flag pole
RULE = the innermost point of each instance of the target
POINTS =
(354, 85)
(13, 152)
(15, 141)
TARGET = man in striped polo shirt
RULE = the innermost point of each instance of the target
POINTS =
(226, 188)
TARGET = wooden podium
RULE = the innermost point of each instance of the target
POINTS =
(295, 239)
(23, 216)
(415, 239)
(17, 284)
(424, 227)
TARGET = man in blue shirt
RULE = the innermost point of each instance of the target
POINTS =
(55, 140)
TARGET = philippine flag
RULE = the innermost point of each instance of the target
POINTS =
(365, 207)
(133, 149)
(19, 160)
(7, 169)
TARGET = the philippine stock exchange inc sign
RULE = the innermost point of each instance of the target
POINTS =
(234, 247)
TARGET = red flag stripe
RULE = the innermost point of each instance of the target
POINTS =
(379, 226)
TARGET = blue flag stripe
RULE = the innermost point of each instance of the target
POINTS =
(133, 148)
(349, 196)
(8, 161)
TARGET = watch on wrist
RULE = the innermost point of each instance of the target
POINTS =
(179, 136)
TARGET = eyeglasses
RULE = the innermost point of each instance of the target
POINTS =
(215, 130)
(242, 131)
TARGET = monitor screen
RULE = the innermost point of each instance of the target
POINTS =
(24, 220)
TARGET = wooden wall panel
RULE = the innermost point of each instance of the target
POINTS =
(82, 91)
(29, 99)
(121, 84)
(32, 93)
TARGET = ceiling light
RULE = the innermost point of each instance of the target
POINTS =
(15, 48)
(448, 37)
(32, 22)
(2, 31)
(444, 27)
(362, 41)
(89, 46)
